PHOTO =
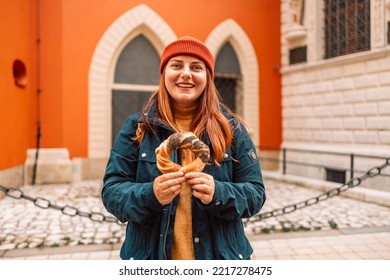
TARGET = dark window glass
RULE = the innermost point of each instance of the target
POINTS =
(347, 27)
(138, 63)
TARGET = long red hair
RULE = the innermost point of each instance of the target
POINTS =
(208, 118)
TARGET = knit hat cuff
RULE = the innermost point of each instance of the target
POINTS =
(188, 46)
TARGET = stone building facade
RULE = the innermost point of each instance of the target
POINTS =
(336, 110)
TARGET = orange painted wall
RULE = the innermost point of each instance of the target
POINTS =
(18, 105)
(52, 80)
(70, 31)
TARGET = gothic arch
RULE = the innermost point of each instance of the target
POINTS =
(230, 31)
(140, 19)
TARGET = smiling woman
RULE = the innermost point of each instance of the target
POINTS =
(184, 214)
(185, 80)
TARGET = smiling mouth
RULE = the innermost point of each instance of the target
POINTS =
(180, 85)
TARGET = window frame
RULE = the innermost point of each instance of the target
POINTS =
(350, 42)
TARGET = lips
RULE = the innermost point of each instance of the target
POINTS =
(183, 85)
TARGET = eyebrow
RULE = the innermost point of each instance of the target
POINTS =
(173, 59)
(179, 60)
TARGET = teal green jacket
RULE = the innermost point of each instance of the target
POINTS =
(218, 231)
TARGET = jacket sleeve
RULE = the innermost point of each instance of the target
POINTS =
(245, 195)
(122, 196)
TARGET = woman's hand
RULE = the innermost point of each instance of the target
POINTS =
(167, 186)
(203, 186)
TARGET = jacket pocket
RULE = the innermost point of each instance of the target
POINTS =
(147, 168)
(232, 244)
(130, 252)
(141, 240)
(236, 251)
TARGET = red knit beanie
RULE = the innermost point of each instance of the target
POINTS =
(188, 46)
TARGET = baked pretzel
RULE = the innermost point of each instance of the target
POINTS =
(179, 141)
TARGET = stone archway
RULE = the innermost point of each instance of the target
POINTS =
(140, 19)
(230, 31)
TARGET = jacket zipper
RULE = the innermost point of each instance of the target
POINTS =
(166, 231)
(169, 219)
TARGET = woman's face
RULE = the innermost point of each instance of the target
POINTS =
(185, 79)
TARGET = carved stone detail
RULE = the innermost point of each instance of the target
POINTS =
(296, 31)
(297, 11)
(377, 24)
(311, 23)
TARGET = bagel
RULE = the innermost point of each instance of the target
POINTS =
(179, 141)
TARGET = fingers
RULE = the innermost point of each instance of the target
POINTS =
(170, 178)
(166, 187)
(203, 186)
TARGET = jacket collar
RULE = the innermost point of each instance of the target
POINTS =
(150, 117)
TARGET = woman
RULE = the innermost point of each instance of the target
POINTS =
(196, 215)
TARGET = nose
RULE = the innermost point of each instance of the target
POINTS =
(186, 73)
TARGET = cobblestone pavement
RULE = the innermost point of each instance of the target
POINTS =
(24, 225)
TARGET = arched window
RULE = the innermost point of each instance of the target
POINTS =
(136, 76)
(228, 78)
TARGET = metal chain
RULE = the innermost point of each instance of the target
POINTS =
(66, 210)
(354, 182)
(99, 217)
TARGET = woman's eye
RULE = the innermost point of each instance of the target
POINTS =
(175, 65)
(197, 67)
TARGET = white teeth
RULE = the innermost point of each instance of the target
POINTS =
(185, 85)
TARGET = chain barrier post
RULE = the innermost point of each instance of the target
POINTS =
(352, 166)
